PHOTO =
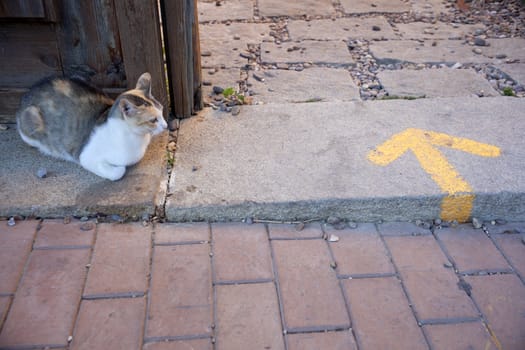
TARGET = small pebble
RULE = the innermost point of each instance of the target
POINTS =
(477, 51)
(476, 223)
(236, 110)
(41, 173)
(3, 127)
(376, 28)
(332, 220)
(333, 265)
(448, 265)
(87, 226)
(67, 220)
(333, 238)
(116, 217)
(352, 225)
(258, 77)
(84, 218)
(480, 42)
(11, 221)
(249, 220)
(217, 90)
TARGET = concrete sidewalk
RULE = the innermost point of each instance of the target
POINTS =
(333, 87)
(383, 110)
(229, 286)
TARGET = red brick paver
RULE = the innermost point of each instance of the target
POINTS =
(513, 247)
(110, 324)
(342, 340)
(472, 250)
(54, 233)
(469, 335)
(275, 287)
(360, 252)
(119, 274)
(381, 314)
(241, 253)
(501, 298)
(248, 317)
(4, 305)
(180, 293)
(309, 288)
(45, 305)
(194, 344)
(432, 286)
(311, 230)
(15, 246)
(182, 233)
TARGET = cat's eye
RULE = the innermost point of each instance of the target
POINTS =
(153, 120)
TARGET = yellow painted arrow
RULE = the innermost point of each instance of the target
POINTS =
(457, 205)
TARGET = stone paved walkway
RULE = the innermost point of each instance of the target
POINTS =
(230, 286)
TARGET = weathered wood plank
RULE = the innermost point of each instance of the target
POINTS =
(28, 53)
(197, 72)
(22, 9)
(9, 102)
(89, 41)
(139, 28)
(182, 50)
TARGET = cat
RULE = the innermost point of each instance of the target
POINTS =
(71, 120)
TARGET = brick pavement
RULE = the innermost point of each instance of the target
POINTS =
(238, 286)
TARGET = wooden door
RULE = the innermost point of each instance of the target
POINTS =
(110, 43)
(107, 42)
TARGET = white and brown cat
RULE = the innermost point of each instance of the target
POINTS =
(68, 119)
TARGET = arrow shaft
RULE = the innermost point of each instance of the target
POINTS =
(437, 166)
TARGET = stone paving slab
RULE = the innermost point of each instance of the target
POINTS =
(342, 28)
(439, 30)
(226, 10)
(429, 8)
(312, 84)
(222, 44)
(444, 82)
(306, 304)
(251, 165)
(68, 189)
(387, 6)
(294, 8)
(446, 51)
(318, 52)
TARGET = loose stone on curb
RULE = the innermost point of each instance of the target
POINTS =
(333, 238)
(41, 173)
(11, 221)
(476, 223)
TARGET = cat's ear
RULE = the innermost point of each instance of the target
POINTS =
(144, 83)
(127, 108)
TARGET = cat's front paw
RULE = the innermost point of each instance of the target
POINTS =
(114, 173)
(104, 169)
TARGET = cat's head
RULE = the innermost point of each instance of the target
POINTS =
(140, 109)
